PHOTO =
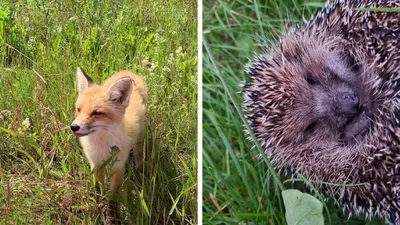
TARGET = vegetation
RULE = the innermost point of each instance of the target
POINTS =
(238, 185)
(45, 175)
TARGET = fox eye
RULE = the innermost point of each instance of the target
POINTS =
(78, 109)
(96, 113)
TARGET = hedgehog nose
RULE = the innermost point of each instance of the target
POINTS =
(349, 97)
(347, 103)
(74, 127)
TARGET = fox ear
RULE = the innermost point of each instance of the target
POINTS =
(84, 81)
(120, 91)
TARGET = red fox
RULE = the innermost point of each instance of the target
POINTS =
(112, 114)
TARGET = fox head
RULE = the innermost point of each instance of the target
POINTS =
(99, 107)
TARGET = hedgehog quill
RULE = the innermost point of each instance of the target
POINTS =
(325, 103)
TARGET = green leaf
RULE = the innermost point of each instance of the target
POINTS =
(315, 4)
(10, 132)
(143, 203)
(302, 208)
(379, 9)
(246, 42)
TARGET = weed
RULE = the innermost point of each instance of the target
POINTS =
(41, 44)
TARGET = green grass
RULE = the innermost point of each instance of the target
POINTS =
(238, 186)
(44, 175)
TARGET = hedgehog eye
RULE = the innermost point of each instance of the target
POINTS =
(310, 127)
(78, 109)
(96, 113)
(311, 81)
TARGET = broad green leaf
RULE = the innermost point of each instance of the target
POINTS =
(302, 208)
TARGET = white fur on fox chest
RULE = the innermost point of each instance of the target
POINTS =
(97, 147)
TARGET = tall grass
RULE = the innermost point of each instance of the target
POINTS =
(238, 186)
(44, 176)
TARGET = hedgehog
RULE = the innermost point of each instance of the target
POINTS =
(324, 103)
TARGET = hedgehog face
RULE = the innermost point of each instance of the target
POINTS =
(326, 99)
(305, 91)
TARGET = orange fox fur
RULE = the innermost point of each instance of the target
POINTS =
(112, 114)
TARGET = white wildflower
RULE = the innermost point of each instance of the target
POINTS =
(179, 52)
(26, 124)
(166, 69)
(171, 58)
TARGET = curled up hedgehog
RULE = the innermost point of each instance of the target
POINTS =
(325, 103)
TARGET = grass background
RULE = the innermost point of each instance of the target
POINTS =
(238, 187)
(44, 176)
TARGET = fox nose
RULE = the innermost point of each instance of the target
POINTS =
(74, 127)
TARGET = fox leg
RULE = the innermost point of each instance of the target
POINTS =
(103, 203)
(109, 207)
(117, 177)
